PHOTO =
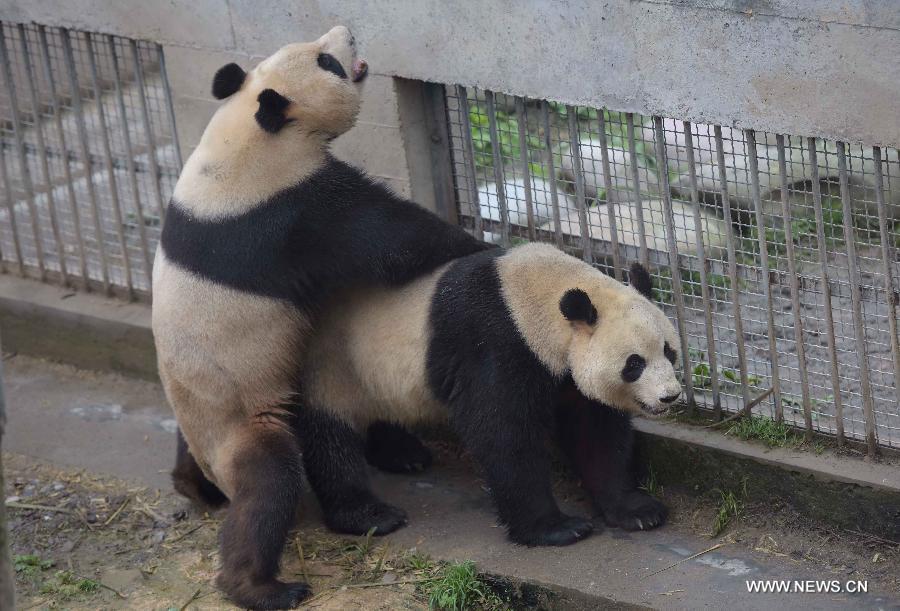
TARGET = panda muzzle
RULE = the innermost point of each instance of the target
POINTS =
(359, 69)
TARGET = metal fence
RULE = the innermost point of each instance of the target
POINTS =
(775, 254)
(88, 156)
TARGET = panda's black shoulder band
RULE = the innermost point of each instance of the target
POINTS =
(270, 115)
(227, 81)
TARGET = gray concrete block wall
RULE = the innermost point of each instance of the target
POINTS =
(807, 67)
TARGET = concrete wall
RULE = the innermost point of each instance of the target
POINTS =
(809, 67)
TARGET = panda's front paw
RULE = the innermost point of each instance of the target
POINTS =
(360, 518)
(636, 510)
(557, 531)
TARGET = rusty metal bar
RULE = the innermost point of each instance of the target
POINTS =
(23, 155)
(554, 197)
(148, 128)
(795, 286)
(764, 269)
(636, 185)
(498, 167)
(469, 159)
(673, 257)
(526, 166)
(42, 152)
(587, 246)
(607, 186)
(858, 328)
(10, 207)
(826, 289)
(129, 159)
(704, 281)
(170, 108)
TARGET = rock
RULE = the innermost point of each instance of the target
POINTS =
(514, 191)
(620, 172)
(628, 228)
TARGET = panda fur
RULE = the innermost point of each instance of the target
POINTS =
(499, 344)
(264, 225)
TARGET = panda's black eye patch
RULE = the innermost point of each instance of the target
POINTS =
(670, 354)
(634, 367)
(329, 63)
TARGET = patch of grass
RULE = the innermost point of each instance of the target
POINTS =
(65, 585)
(701, 373)
(650, 484)
(456, 587)
(729, 510)
(29, 565)
(773, 434)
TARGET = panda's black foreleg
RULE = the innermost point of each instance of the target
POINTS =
(264, 475)
(500, 428)
(599, 441)
(334, 456)
(392, 448)
(188, 479)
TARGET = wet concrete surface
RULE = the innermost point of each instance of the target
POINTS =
(113, 425)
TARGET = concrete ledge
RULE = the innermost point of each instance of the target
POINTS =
(92, 332)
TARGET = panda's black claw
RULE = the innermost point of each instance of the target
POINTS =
(637, 510)
(561, 530)
(360, 518)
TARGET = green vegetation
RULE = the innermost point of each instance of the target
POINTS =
(729, 510)
(456, 587)
(507, 138)
(29, 565)
(65, 585)
(650, 484)
(773, 434)
(701, 373)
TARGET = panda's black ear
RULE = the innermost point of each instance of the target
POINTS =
(270, 115)
(227, 81)
(576, 306)
(640, 279)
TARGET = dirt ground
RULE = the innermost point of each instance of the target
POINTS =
(90, 542)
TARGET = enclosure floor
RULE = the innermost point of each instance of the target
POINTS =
(114, 426)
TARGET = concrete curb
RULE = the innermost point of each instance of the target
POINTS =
(92, 332)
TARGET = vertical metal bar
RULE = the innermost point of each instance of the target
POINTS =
(110, 169)
(732, 265)
(868, 408)
(23, 155)
(607, 186)
(673, 256)
(148, 129)
(42, 152)
(440, 144)
(764, 271)
(587, 246)
(129, 158)
(826, 289)
(67, 170)
(170, 109)
(799, 341)
(498, 167)
(704, 281)
(554, 197)
(887, 256)
(85, 156)
(526, 166)
(469, 159)
(636, 185)
(10, 207)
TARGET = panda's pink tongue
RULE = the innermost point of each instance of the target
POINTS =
(359, 69)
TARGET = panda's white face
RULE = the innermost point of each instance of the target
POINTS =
(626, 356)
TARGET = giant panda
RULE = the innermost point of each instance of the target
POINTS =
(263, 226)
(500, 344)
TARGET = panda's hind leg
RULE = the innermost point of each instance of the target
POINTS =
(262, 474)
(391, 448)
(599, 441)
(188, 478)
(334, 457)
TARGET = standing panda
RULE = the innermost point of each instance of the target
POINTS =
(263, 226)
(498, 343)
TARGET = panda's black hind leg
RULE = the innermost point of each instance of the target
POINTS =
(392, 448)
(334, 456)
(189, 481)
(599, 441)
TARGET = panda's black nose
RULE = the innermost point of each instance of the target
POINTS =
(670, 398)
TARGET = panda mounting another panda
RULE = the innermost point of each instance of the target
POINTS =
(288, 284)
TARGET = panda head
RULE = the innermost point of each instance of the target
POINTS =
(625, 355)
(312, 87)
